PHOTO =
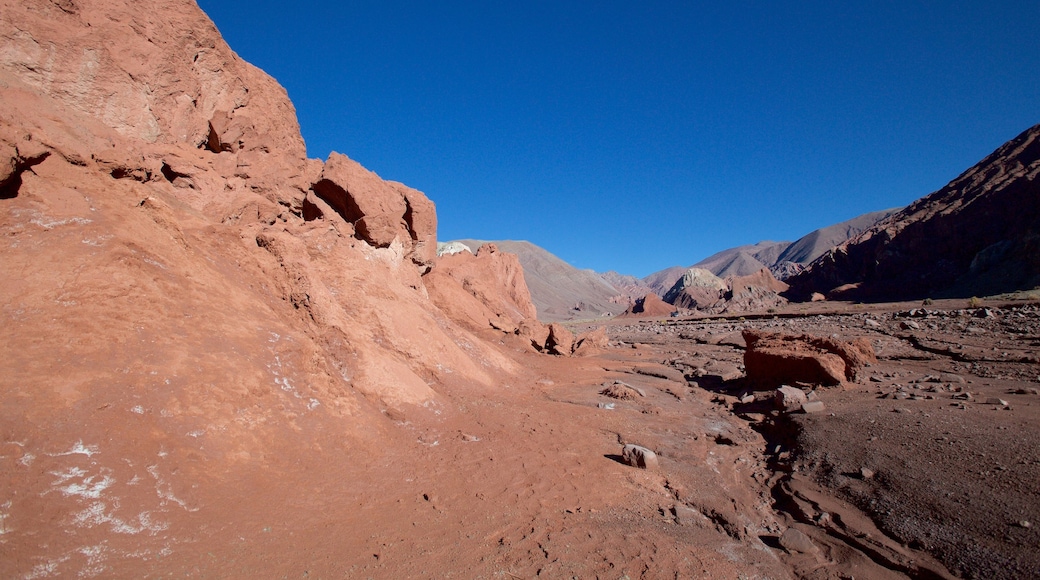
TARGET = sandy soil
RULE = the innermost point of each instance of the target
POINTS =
(526, 480)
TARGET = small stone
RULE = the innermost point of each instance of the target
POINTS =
(789, 398)
(747, 398)
(686, 516)
(638, 456)
(812, 407)
(795, 541)
(866, 473)
(1025, 524)
(996, 401)
(909, 325)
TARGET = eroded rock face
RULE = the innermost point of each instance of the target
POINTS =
(155, 75)
(649, 305)
(772, 359)
(482, 291)
(560, 341)
(381, 212)
(759, 291)
(178, 301)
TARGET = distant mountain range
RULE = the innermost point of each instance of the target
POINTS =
(562, 292)
(979, 235)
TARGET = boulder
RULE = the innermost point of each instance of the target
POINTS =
(374, 207)
(778, 358)
(794, 540)
(592, 341)
(560, 341)
(789, 398)
(638, 456)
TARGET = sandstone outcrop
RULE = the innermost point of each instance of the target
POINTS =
(978, 235)
(560, 291)
(186, 297)
(649, 305)
(483, 291)
(758, 291)
(772, 359)
(697, 289)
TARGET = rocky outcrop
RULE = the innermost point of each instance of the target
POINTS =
(482, 291)
(560, 291)
(772, 359)
(155, 76)
(649, 306)
(979, 235)
(697, 289)
(380, 212)
(759, 291)
(187, 299)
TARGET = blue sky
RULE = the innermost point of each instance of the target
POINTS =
(634, 136)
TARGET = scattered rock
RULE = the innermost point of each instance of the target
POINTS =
(789, 398)
(866, 473)
(623, 391)
(794, 540)
(813, 407)
(638, 456)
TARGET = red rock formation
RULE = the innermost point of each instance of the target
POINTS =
(772, 359)
(649, 306)
(179, 305)
(482, 291)
(758, 291)
(380, 212)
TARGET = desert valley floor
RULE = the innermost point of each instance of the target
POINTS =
(927, 467)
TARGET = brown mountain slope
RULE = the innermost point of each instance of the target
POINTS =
(978, 235)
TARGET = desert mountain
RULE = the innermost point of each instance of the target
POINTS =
(743, 260)
(559, 291)
(701, 291)
(980, 234)
(782, 259)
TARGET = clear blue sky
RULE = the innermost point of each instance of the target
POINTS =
(639, 135)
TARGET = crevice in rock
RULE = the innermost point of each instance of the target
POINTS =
(9, 187)
(311, 211)
(343, 203)
(213, 141)
(408, 217)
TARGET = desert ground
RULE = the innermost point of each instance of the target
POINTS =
(927, 467)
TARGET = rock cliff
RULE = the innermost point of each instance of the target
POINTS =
(186, 298)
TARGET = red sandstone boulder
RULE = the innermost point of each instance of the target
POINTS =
(591, 342)
(560, 341)
(778, 358)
